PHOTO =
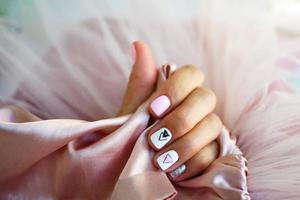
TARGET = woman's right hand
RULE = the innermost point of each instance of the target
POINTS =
(184, 138)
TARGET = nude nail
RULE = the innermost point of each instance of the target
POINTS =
(160, 105)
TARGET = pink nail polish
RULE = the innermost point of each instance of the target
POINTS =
(160, 105)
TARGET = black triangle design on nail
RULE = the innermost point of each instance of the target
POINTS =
(163, 135)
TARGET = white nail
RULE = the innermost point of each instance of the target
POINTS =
(161, 137)
(167, 159)
(178, 171)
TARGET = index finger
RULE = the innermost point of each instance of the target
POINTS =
(174, 90)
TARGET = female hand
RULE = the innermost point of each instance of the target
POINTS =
(184, 137)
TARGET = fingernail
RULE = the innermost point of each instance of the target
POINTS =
(167, 159)
(178, 171)
(160, 105)
(133, 52)
(161, 137)
(169, 69)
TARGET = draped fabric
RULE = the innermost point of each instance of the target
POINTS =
(64, 66)
(110, 158)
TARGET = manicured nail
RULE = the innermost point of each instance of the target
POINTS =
(160, 105)
(161, 137)
(168, 69)
(178, 171)
(167, 159)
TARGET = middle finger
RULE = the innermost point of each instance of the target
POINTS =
(181, 120)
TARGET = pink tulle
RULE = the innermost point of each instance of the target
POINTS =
(75, 65)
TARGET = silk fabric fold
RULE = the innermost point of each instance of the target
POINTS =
(105, 159)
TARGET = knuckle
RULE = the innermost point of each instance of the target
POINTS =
(211, 96)
(178, 123)
(208, 154)
(190, 67)
(206, 95)
(214, 121)
(198, 91)
(213, 151)
(195, 71)
(214, 146)
(204, 161)
(208, 159)
(189, 148)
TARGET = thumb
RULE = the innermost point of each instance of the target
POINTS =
(142, 80)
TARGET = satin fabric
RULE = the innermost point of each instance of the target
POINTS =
(105, 159)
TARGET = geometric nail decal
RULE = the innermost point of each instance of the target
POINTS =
(167, 159)
(164, 135)
(161, 137)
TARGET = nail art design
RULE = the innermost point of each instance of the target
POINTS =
(160, 105)
(178, 171)
(167, 159)
(168, 69)
(161, 137)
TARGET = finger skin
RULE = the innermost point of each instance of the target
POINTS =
(142, 80)
(191, 143)
(183, 118)
(182, 82)
(199, 162)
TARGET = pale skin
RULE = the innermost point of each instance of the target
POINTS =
(189, 117)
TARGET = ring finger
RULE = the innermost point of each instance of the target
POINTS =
(183, 149)
(197, 164)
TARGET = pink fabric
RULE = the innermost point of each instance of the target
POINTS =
(110, 158)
